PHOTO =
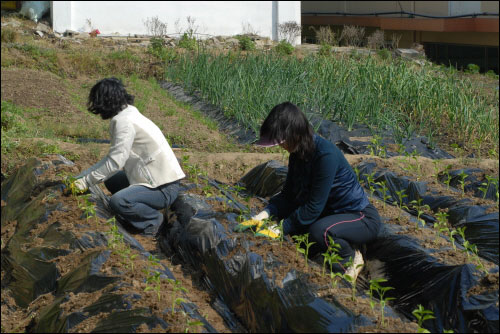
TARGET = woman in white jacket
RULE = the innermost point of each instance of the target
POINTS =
(140, 170)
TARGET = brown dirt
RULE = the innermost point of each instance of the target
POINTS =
(61, 102)
(73, 220)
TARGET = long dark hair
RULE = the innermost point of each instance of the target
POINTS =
(108, 97)
(286, 122)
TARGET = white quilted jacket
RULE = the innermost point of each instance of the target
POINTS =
(139, 147)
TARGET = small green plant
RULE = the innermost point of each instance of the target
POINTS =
(462, 176)
(191, 323)
(284, 48)
(437, 167)
(177, 288)
(153, 277)
(371, 182)
(422, 314)
(377, 148)
(472, 69)
(325, 49)
(441, 226)
(448, 176)
(417, 204)
(331, 254)
(380, 290)
(153, 282)
(282, 236)
(351, 279)
(471, 250)
(490, 180)
(400, 202)
(385, 195)
(90, 210)
(246, 43)
(384, 54)
(303, 239)
(188, 42)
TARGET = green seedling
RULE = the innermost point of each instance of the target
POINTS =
(452, 238)
(298, 241)
(127, 256)
(351, 279)
(303, 239)
(448, 176)
(154, 278)
(116, 238)
(177, 287)
(400, 203)
(462, 176)
(371, 182)
(376, 287)
(486, 185)
(422, 314)
(333, 277)
(331, 255)
(282, 236)
(437, 167)
(192, 323)
(417, 204)
(417, 166)
(471, 250)
(441, 226)
(385, 196)
(376, 147)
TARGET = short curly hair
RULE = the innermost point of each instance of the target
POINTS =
(108, 97)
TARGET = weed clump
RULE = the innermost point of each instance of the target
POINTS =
(246, 43)
(284, 48)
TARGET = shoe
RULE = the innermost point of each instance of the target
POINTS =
(357, 265)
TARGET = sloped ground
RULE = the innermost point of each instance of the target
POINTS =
(51, 111)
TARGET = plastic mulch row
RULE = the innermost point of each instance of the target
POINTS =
(481, 227)
(418, 278)
(261, 303)
(30, 273)
(327, 129)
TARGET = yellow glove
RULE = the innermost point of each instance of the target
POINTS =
(78, 186)
(272, 232)
(248, 224)
(256, 221)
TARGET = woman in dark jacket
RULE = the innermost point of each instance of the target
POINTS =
(321, 195)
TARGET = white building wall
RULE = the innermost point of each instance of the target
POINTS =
(213, 18)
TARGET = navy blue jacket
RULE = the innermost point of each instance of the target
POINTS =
(322, 186)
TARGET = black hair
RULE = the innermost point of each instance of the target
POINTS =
(108, 97)
(286, 122)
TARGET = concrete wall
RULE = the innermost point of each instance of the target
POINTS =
(211, 18)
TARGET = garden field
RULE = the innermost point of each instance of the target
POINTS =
(422, 139)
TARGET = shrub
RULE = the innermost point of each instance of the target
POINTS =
(156, 27)
(384, 54)
(352, 35)
(492, 74)
(325, 35)
(9, 35)
(325, 49)
(284, 48)
(472, 69)
(187, 42)
(246, 43)
(376, 40)
(12, 118)
(395, 41)
(289, 31)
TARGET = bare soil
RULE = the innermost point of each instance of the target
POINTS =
(59, 101)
